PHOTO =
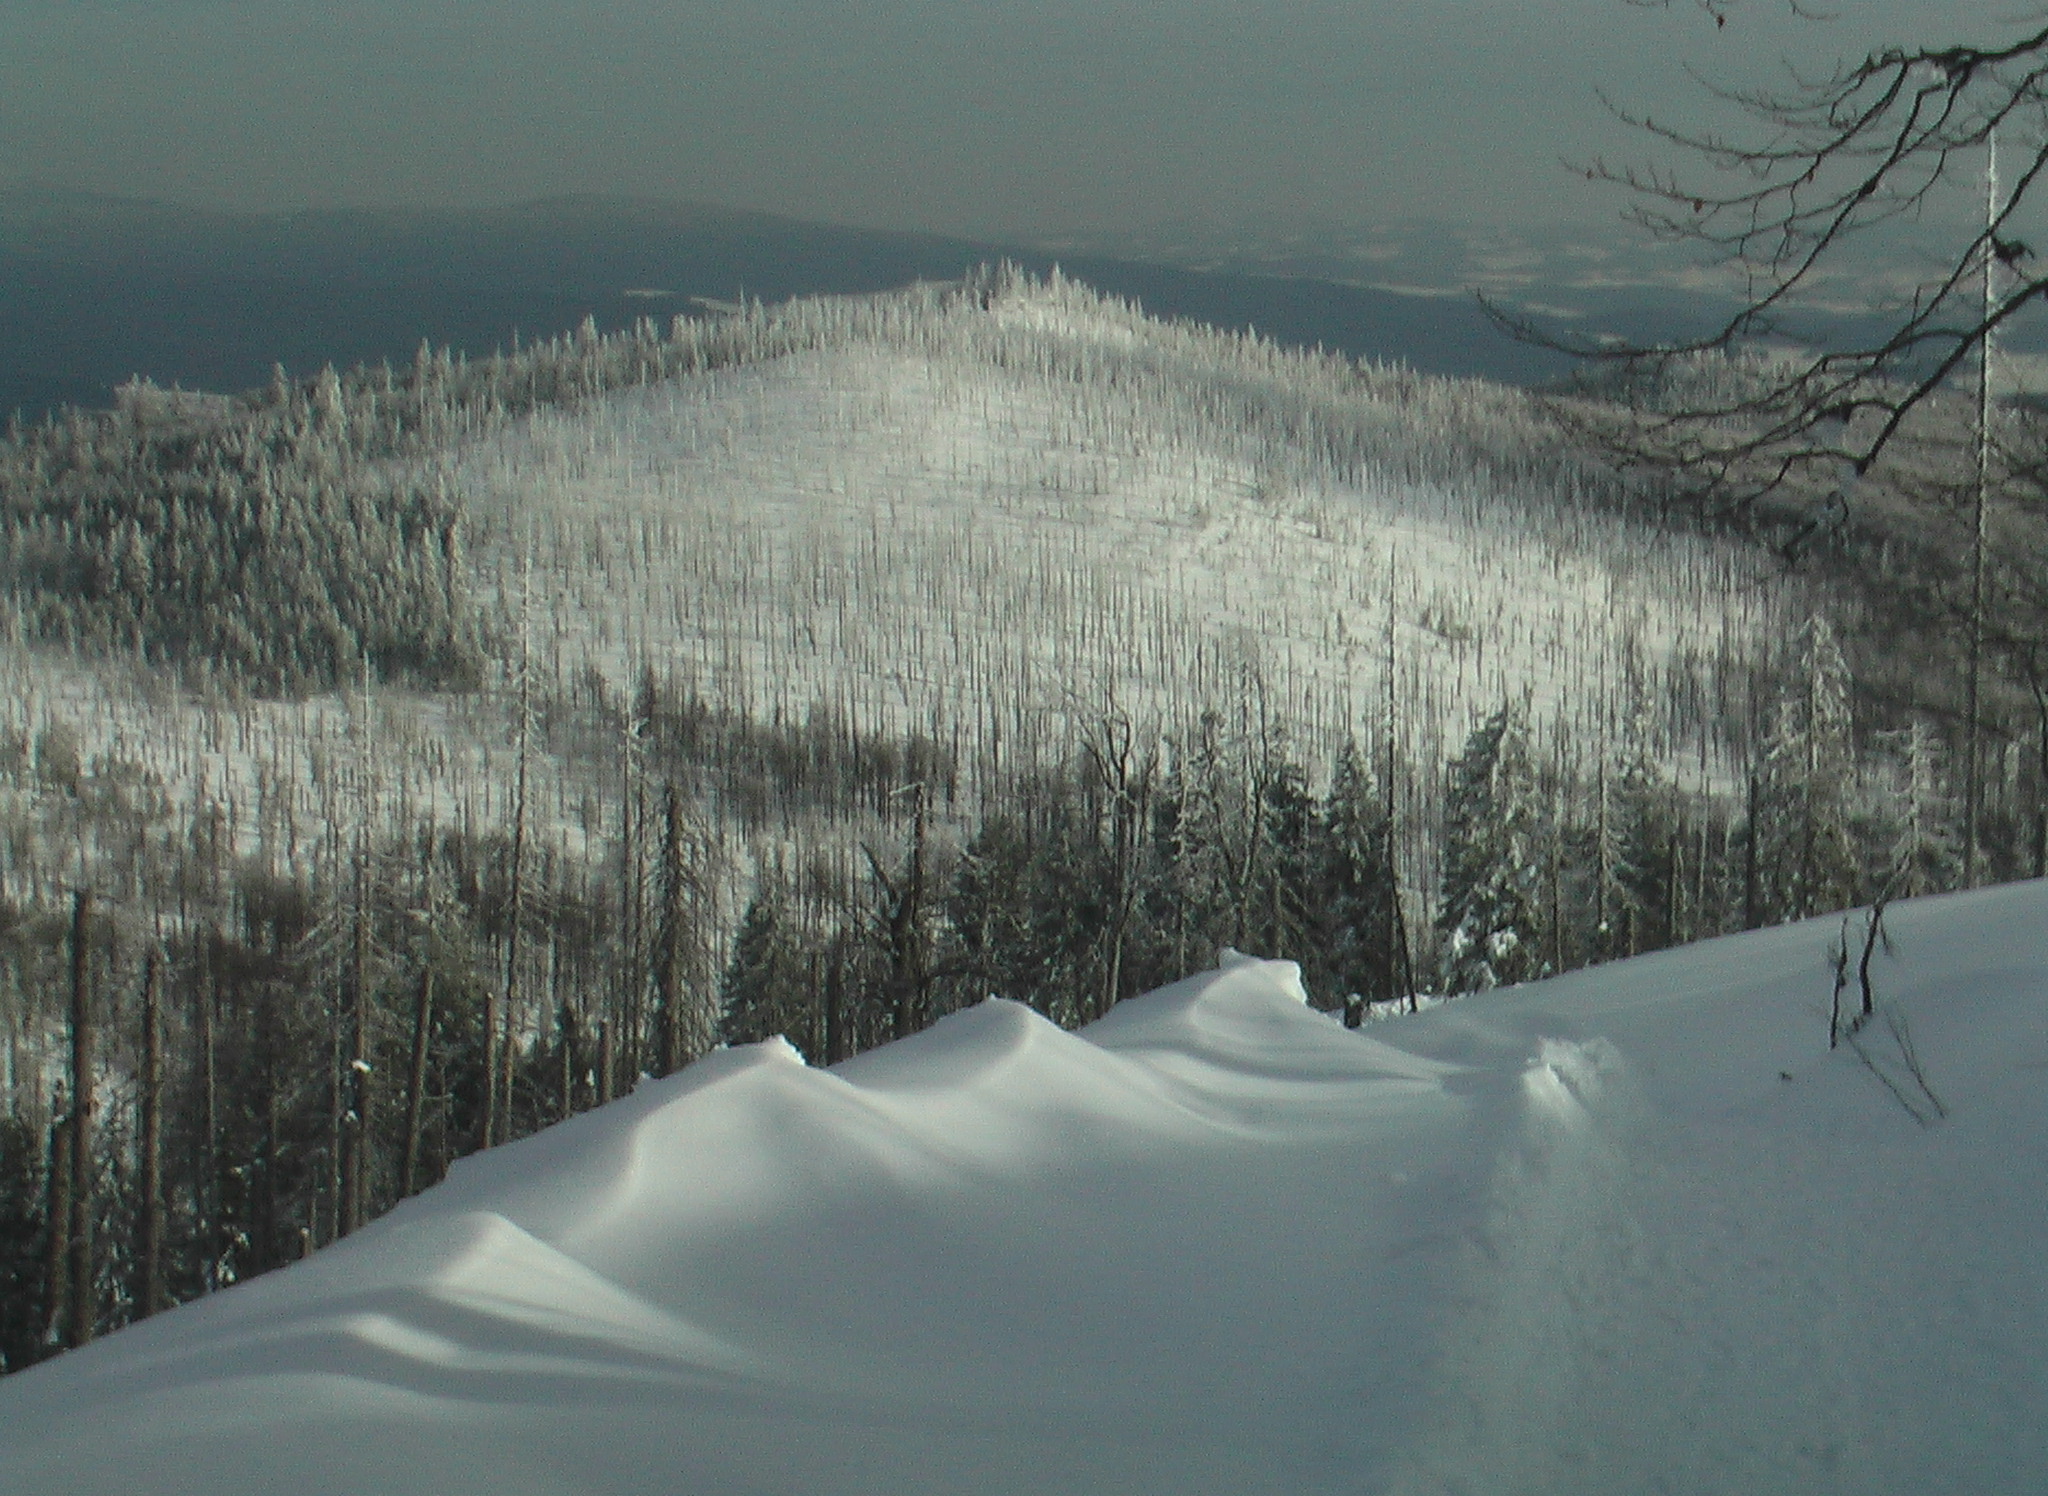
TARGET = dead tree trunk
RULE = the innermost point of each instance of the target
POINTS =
(57, 1232)
(355, 1120)
(416, 1081)
(206, 1161)
(83, 1298)
(1752, 893)
(670, 937)
(503, 1014)
(835, 1002)
(149, 1287)
(566, 1029)
(1124, 773)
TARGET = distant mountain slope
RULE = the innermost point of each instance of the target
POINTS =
(979, 513)
(96, 290)
(1636, 1229)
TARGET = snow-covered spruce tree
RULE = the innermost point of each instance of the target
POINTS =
(1492, 861)
(1031, 907)
(1280, 914)
(989, 921)
(761, 994)
(1644, 827)
(1922, 853)
(1805, 850)
(899, 934)
(1354, 886)
(1216, 835)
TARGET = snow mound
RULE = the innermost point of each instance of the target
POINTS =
(1635, 1229)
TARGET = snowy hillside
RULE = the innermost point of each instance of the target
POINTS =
(982, 516)
(1635, 1229)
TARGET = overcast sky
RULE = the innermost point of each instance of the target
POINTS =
(1026, 117)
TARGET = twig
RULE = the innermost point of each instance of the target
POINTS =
(1838, 958)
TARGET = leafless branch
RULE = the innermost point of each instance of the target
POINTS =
(1818, 162)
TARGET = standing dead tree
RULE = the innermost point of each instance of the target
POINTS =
(82, 1304)
(1874, 937)
(1123, 764)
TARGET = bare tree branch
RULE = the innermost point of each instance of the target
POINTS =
(1815, 163)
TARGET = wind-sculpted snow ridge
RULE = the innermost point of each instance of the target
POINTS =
(1633, 1230)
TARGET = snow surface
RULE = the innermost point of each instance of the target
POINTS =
(1631, 1230)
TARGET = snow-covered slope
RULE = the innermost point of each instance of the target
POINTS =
(1632, 1230)
(962, 514)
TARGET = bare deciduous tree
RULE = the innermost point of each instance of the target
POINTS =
(1813, 165)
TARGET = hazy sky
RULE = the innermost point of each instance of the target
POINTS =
(1020, 117)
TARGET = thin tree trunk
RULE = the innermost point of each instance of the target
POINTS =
(361, 1070)
(487, 1126)
(206, 1187)
(497, 1048)
(1752, 895)
(57, 1218)
(565, 1023)
(2041, 783)
(337, 1102)
(633, 896)
(1973, 782)
(835, 977)
(149, 1296)
(508, 1062)
(355, 1174)
(1400, 965)
(83, 1297)
(1405, 959)
(498, 1120)
(416, 1087)
(668, 954)
(1603, 867)
(269, 1253)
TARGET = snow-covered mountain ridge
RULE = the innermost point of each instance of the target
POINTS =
(984, 513)
(1633, 1229)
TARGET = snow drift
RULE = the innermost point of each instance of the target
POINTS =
(1633, 1230)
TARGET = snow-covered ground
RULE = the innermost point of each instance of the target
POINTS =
(1632, 1230)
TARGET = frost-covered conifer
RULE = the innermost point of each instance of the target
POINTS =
(1920, 815)
(1280, 919)
(762, 989)
(1642, 827)
(1492, 861)
(1805, 851)
(1354, 883)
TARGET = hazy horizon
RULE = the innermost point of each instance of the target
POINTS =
(1030, 121)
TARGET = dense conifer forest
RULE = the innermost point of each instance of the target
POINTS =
(395, 762)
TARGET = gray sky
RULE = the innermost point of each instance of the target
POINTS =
(1033, 117)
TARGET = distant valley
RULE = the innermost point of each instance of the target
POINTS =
(96, 290)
